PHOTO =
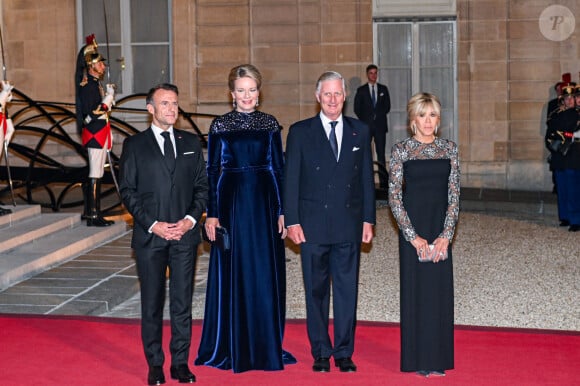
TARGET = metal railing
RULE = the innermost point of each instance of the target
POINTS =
(48, 164)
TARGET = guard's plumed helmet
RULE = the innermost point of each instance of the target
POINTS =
(90, 51)
(569, 89)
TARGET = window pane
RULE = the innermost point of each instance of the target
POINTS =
(150, 21)
(421, 52)
(438, 81)
(436, 50)
(94, 21)
(394, 45)
(148, 72)
(114, 63)
(436, 44)
(395, 53)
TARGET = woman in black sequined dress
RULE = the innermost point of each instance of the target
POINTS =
(424, 198)
(245, 306)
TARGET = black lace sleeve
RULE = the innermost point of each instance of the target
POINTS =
(410, 149)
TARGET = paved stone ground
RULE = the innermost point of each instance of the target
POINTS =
(514, 267)
(90, 284)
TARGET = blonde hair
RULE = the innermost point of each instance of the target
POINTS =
(419, 102)
(244, 71)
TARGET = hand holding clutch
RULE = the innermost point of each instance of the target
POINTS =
(431, 254)
(222, 237)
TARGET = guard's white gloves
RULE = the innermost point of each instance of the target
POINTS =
(109, 99)
(5, 94)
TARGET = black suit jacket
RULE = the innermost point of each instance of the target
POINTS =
(374, 116)
(152, 193)
(329, 199)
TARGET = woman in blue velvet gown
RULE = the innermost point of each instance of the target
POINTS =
(245, 307)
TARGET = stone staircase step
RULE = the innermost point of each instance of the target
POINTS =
(30, 229)
(64, 243)
(19, 212)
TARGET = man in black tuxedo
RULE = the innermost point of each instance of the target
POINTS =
(329, 204)
(163, 184)
(372, 103)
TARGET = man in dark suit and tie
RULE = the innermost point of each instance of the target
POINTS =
(163, 184)
(329, 204)
(372, 103)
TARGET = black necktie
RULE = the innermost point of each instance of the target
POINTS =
(332, 139)
(168, 150)
(373, 96)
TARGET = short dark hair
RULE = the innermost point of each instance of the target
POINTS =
(160, 86)
(372, 67)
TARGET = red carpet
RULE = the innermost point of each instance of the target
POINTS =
(38, 350)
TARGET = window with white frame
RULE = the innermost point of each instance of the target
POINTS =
(417, 55)
(139, 40)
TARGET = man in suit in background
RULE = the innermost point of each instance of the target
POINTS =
(372, 103)
(329, 206)
(163, 184)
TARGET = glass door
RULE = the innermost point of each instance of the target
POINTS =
(415, 56)
(139, 35)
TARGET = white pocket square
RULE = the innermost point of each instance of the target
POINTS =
(189, 152)
(355, 148)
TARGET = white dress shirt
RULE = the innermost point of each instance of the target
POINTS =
(337, 130)
(161, 141)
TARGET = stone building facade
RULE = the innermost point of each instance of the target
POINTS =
(506, 65)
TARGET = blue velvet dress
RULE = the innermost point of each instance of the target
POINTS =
(245, 307)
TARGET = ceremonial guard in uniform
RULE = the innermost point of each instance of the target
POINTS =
(563, 142)
(553, 107)
(554, 104)
(93, 105)
(6, 127)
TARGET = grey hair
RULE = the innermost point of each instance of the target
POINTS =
(329, 75)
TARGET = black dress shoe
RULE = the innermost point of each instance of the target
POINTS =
(564, 223)
(346, 365)
(155, 376)
(182, 374)
(98, 221)
(574, 228)
(321, 365)
(4, 211)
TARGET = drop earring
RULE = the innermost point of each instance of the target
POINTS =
(234, 104)
(413, 128)
(436, 128)
(257, 102)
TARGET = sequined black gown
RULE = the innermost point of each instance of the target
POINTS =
(245, 305)
(424, 199)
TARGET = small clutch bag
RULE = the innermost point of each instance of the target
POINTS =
(430, 255)
(222, 237)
